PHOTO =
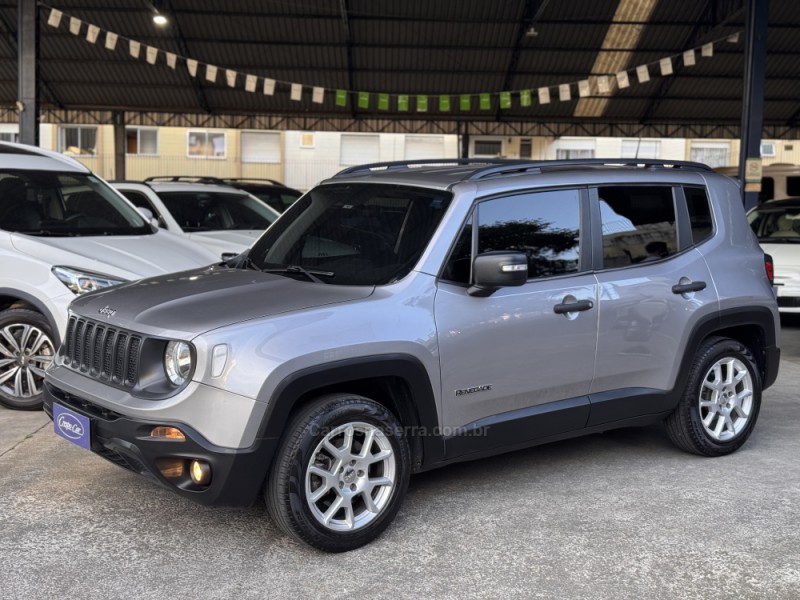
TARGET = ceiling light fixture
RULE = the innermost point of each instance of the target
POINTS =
(159, 19)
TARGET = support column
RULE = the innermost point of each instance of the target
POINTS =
(28, 71)
(118, 119)
(755, 66)
(464, 151)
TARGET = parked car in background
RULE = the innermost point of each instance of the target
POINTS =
(779, 180)
(64, 232)
(223, 219)
(777, 226)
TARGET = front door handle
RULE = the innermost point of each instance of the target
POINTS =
(570, 307)
(687, 288)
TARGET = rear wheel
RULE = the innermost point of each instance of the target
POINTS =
(26, 350)
(720, 404)
(340, 474)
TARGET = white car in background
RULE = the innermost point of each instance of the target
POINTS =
(777, 226)
(64, 232)
(223, 219)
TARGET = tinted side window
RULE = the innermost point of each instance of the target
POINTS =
(793, 186)
(459, 266)
(699, 213)
(638, 224)
(767, 189)
(544, 225)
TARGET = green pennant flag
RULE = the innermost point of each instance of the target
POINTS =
(402, 103)
(422, 104)
(383, 101)
(525, 98)
(505, 99)
(341, 98)
(465, 103)
(363, 99)
(444, 103)
(485, 102)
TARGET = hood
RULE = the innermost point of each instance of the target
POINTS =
(127, 257)
(226, 241)
(190, 303)
(784, 255)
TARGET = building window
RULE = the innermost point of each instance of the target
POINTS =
(359, 149)
(307, 140)
(261, 146)
(568, 149)
(641, 149)
(141, 141)
(768, 149)
(490, 148)
(9, 136)
(713, 154)
(205, 144)
(77, 141)
(525, 148)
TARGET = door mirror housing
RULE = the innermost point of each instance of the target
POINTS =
(148, 214)
(494, 270)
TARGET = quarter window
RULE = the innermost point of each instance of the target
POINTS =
(638, 224)
(699, 213)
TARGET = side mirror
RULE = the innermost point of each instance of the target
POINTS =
(494, 270)
(148, 214)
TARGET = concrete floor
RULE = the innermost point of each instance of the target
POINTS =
(618, 515)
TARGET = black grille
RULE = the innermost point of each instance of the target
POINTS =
(101, 351)
(788, 301)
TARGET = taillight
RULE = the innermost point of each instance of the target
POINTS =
(769, 267)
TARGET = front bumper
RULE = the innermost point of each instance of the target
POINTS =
(237, 475)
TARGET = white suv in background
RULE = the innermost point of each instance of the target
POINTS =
(225, 220)
(63, 232)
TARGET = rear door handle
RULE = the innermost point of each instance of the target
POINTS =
(577, 306)
(686, 288)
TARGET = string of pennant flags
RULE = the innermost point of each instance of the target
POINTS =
(601, 83)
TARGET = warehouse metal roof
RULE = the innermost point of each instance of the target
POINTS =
(398, 52)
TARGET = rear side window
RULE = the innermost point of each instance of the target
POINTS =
(699, 213)
(767, 189)
(638, 224)
(793, 186)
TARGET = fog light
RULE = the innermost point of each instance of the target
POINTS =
(200, 472)
(167, 433)
(171, 467)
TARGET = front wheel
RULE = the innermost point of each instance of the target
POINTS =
(340, 474)
(720, 404)
(26, 350)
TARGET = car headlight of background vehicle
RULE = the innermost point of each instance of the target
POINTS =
(178, 362)
(80, 282)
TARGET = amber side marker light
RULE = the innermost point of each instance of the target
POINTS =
(167, 433)
(200, 472)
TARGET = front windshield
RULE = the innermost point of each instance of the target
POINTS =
(776, 225)
(214, 211)
(46, 203)
(354, 234)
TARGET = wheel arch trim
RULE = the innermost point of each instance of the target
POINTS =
(36, 304)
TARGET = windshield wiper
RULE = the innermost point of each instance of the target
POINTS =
(293, 269)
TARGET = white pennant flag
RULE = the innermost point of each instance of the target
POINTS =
(135, 47)
(544, 95)
(111, 40)
(172, 60)
(211, 73)
(707, 50)
(642, 74)
(318, 95)
(191, 66)
(55, 18)
(230, 76)
(733, 39)
(622, 79)
(269, 87)
(152, 54)
(92, 33)
(297, 92)
(564, 93)
(603, 84)
(583, 88)
(250, 83)
(688, 58)
(74, 26)
(666, 66)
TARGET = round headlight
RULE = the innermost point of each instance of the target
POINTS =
(178, 362)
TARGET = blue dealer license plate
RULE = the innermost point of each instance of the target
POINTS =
(71, 426)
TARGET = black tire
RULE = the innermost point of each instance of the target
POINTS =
(16, 392)
(686, 427)
(286, 491)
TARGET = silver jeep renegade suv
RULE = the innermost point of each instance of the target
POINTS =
(403, 316)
